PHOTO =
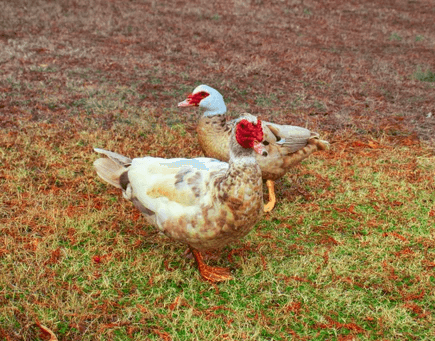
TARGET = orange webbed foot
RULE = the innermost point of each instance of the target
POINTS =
(211, 273)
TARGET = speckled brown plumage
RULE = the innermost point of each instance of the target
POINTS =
(237, 201)
(214, 136)
(286, 145)
(202, 202)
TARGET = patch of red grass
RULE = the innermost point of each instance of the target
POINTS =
(352, 327)
(342, 55)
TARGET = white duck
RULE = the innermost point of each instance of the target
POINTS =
(286, 145)
(202, 202)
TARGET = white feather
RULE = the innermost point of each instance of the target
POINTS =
(150, 177)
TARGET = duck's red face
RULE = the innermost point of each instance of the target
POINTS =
(194, 99)
(249, 135)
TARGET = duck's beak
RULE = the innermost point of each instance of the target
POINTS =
(260, 149)
(186, 103)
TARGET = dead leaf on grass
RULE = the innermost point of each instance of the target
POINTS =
(163, 335)
(46, 330)
(396, 235)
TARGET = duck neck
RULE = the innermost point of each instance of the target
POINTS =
(244, 158)
(215, 112)
(243, 165)
(244, 185)
(213, 136)
(215, 107)
(216, 120)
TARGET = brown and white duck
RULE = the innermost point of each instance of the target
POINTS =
(202, 202)
(286, 145)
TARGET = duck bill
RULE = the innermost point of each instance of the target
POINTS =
(186, 103)
(259, 148)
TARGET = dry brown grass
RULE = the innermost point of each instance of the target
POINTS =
(347, 254)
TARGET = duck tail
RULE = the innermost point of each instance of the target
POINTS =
(110, 169)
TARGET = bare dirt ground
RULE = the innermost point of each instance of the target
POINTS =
(367, 66)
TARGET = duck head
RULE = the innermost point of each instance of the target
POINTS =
(249, 134)
(208, 98)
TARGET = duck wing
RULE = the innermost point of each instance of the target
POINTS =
(172, 188)
(291, 137)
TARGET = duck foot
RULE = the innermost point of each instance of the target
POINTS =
(272, 198)
(211, 273)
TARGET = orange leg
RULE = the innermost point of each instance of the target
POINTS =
(272, 198)
(211, 273)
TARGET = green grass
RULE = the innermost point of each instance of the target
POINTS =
(348, 250)
(424, 76)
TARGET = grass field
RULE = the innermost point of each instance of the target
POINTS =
(349, 251)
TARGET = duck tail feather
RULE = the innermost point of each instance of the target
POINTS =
(111, 168)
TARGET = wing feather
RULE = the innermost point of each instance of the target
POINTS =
(292, 137)
(173, 187)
